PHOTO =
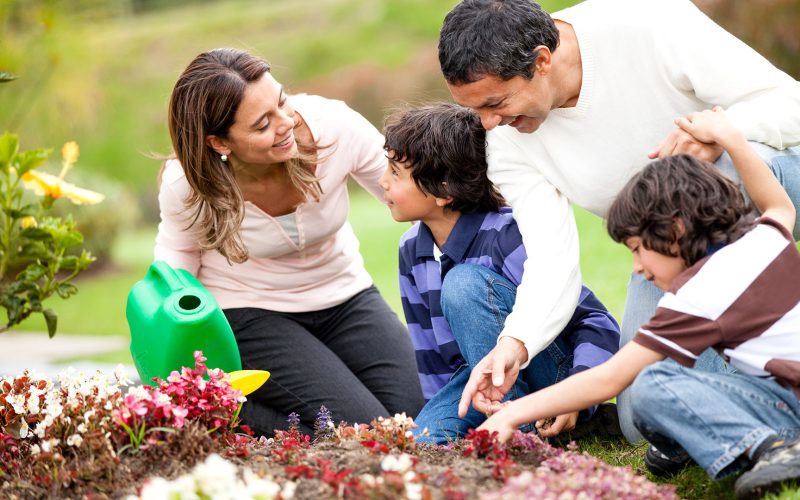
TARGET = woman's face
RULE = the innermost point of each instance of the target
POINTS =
(263, 130)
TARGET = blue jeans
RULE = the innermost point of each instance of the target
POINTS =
(475, 302)
(643, 296)
(714, 417)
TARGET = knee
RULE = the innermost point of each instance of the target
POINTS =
(647, 391)
(463, 287)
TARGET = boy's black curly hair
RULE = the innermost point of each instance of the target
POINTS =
(710, 205)
(444, 145)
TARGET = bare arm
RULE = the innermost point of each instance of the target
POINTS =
(712, 126)
(576, 392)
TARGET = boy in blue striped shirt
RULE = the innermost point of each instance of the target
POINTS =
(460, 265)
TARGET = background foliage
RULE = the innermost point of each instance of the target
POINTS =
(100, 72)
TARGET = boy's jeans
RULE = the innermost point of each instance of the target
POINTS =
(715, 417)
(475, 303)
(643, 296)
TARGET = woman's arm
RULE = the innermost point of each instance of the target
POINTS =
(174, 243)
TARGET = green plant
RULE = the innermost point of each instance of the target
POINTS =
(33, 245)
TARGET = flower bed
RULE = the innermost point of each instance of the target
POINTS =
(181, 439)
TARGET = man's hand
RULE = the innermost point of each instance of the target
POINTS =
(562, 423)
(682, 142)
(493, 377)
(710, 126)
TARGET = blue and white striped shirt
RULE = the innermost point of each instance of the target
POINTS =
(490, 239)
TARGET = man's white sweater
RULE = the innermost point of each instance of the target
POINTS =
(645, 63)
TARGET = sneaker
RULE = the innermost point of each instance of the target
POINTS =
(779, 465)
(661, 465)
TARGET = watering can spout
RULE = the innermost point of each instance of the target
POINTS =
(248, 381)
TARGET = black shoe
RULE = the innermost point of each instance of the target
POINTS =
(661, 465)
(778, 465)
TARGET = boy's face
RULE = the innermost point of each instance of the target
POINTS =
(656, 267)
(405, 199)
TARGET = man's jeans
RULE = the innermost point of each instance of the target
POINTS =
(715, 417)
(643, 296)
(475, 303)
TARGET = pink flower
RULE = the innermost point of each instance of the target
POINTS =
(179, 413)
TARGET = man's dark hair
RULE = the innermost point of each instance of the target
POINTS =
(444, 145)
(711, 206)
(493, 38)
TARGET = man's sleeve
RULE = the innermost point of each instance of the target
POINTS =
(551, 281)
(702, 58)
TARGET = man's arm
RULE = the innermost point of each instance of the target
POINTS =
(703, 59)
(768, 195)
(551, 283)
(580, 391)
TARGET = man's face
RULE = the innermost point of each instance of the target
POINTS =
(524, 104)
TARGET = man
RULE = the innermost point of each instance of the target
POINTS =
(575, 104)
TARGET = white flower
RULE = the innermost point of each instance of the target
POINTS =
(17, 402)
(288, 490)
(394, 463)
(74, 440)
(215, 475)
(35, 450)
(23, 429)
(413, 491)
(122, 375)
(258, 487)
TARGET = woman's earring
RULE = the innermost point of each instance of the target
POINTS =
(224, 158)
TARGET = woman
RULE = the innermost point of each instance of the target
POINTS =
(255, 205)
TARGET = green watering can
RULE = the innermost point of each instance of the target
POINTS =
(171, 315)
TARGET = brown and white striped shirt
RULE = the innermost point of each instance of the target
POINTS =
(744, 301)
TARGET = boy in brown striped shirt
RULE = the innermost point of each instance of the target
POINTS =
(732, 283)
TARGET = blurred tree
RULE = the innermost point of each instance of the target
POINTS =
(771, 27)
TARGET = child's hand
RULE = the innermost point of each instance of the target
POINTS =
(562, 423)
(500, 423)
(709, 126)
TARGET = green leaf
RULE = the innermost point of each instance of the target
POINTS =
(32, 273)
(26, 211)
(36, 233)
(32, 159)
(66, 290)
(5, 76)
(69, 263)
(51, 319)
(9, 145)
(35, 250)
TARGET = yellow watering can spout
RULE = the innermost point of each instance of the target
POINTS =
(248, 381)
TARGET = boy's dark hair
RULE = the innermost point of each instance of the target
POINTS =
(444, 146)
(493, 37)
(711, 206)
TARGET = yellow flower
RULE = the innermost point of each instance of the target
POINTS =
(28, 221)
(69, 154)
(49, 185)
(45, 184)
